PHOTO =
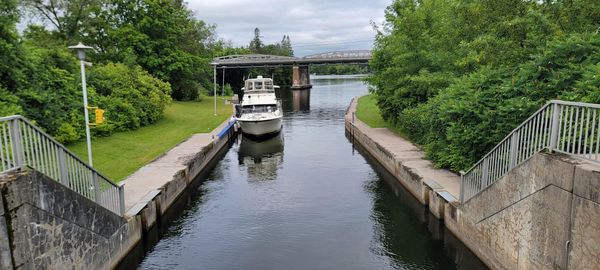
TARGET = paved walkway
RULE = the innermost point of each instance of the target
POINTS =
(408, 154)
(160, 171)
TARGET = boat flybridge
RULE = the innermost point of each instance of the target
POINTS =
(260, 112)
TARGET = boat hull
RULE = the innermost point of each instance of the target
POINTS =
(260, 127)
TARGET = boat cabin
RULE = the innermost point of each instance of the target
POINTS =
(259, 84)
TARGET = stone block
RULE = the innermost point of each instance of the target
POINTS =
(5, 249)
(149, 215)
(586, 183)
(522, 181)
(584, 252)
(436, 205)
(172, 190)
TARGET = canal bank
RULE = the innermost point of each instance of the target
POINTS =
(540, 215)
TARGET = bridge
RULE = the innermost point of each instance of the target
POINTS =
(300, 75)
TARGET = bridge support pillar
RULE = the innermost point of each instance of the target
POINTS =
(300, 78)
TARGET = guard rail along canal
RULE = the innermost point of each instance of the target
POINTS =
(559, 126)
(23, 145)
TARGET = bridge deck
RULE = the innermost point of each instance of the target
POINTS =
(261, 60)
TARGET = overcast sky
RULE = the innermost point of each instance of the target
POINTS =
(314, 26)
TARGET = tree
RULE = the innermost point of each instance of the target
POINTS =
(70, 17)
(457, 75)
(256, 45)
(163, 37)
(12, 60)
(286, 46)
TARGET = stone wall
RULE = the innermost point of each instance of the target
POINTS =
(51, 227)
(544, 214)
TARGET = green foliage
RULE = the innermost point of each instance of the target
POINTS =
(130, 96)
(227, 90)
(161, 36)
(339, 69)
(9, 103)
(11, 53)
(457, 76)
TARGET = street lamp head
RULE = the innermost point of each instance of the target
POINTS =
(80, 50)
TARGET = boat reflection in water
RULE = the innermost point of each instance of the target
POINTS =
(261, 157)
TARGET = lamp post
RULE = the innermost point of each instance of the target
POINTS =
(80, 48)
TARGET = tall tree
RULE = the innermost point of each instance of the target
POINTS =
(160, 35)
(11, 61)
(256, 44)
(69, 17)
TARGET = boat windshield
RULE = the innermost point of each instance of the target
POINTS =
(259, 108)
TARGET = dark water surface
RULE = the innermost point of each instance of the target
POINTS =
(305, 199)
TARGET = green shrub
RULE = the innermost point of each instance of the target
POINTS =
(130, 97)
(228, 90)
(9, 103)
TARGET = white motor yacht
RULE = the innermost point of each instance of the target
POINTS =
(260, 112)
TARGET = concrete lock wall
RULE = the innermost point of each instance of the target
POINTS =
(544, 214)
(51, 227)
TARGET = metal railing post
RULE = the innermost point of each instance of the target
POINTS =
(17, 144)
(514, 142)
(485, 173)
(62, 167)
(462, 186)
(554, 127)
(97, 192)
(122, 199)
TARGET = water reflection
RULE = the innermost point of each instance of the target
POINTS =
(300, 100)
(294, 100)
(407, 232)
(261, 157)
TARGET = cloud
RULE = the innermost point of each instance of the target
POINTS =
(314, 26)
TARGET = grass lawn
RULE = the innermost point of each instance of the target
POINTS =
(368, 112)
(123, 153)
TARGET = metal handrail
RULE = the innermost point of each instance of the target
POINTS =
(22, 144)
(552, 127)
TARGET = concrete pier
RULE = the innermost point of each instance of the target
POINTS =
(300, 78)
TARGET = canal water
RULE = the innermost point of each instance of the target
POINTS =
(306, 199)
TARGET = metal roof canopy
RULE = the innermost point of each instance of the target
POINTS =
(263, 60)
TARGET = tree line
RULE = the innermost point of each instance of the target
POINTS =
(456, 76)
(146, 54)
